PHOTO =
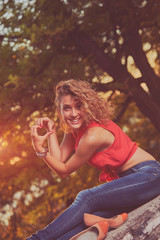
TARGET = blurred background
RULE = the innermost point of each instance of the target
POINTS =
(113, 44)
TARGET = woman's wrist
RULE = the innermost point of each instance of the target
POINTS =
(43, 153)
(39, 149)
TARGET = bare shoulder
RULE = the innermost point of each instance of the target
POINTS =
(94, 140)
(98, 136)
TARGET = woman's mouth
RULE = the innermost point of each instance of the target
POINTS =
(75, 121)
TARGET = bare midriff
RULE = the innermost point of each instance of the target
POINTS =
(139, 156)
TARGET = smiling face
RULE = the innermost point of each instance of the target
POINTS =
(72, 112)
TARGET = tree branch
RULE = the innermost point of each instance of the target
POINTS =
(124, 108)
(87, 46)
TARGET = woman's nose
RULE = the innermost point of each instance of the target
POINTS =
(74, 112)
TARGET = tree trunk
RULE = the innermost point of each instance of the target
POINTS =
(142, 224)
(120, 75)
(141, 61)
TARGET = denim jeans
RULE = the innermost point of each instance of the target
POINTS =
(135, 187)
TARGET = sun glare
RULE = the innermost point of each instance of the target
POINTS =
(14, 160)
(3, 143)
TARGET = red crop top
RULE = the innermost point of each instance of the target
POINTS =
(112, 158)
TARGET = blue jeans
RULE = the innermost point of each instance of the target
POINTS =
(135, 187)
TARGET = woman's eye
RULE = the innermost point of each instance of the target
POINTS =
(79, 106)
(66, 108)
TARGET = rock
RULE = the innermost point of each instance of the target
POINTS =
(143, 224)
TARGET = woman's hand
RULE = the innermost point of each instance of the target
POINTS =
(47, 123)
(38, 140)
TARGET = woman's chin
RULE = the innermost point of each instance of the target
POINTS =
(76, 126)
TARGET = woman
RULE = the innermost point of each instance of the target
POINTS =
(131, 175)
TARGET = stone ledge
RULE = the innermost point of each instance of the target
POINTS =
(143, 224)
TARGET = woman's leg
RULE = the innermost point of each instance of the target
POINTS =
(139, 186)
(72, 232)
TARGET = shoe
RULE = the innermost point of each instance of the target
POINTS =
(99, 229)
(114, 222)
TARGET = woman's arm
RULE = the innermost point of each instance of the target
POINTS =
(63, 151)
(53, 145)
(94, 140)
(59, 152)
(90, 143)
(67, 146)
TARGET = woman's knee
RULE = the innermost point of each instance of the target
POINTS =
(83, 196)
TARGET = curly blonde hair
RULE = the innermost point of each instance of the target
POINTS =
(95, 108)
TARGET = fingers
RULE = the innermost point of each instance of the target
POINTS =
(42, 121)
(38, 140)
(34, 130)
(46, 123)
(51, 126)
(47, 134)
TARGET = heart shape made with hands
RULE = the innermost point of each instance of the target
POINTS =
(41, 130)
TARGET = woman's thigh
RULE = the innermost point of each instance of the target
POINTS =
(140, 185)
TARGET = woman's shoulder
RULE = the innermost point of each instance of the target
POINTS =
(97, 135)
(95, 127)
